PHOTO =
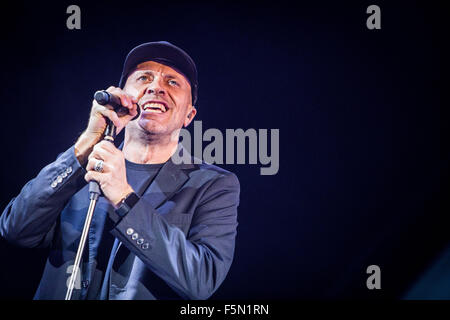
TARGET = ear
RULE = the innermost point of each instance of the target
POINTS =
(190, 116)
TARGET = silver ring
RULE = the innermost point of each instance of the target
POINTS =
(99, 166)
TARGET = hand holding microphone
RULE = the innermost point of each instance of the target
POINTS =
(113, 99)
(113, 104)
(103, 98)
(116, 105)
(117, 108)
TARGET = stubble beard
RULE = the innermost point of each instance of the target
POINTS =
(146, 136)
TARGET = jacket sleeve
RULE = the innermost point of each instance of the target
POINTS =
(194, 265)
(29, 219)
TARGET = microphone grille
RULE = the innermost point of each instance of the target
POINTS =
(102, 97)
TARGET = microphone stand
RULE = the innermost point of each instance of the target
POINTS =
(94, 193)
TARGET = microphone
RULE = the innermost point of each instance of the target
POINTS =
(104, 97)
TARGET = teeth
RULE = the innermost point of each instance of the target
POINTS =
(155, 107)
(154, 110)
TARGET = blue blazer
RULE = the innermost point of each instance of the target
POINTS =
(178, 240)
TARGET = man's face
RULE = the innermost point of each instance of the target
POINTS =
(164, 96)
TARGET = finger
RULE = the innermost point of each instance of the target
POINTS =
(92, 162)
(93, 176)
(125, 100)
(129, 98)
(99, 154)
(112, 115)
(106, 146)
(133, 111)
(107, 113)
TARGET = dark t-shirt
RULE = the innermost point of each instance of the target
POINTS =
(138, 175)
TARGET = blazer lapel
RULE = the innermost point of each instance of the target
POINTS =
(168, 180)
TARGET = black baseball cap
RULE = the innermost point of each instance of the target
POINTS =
(165, 53)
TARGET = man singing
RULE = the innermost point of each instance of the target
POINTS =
(162, 229)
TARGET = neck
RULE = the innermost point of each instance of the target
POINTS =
(148, 151)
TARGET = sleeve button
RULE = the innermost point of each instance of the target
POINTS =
(134, 236)
(85, 283)
(140, 241)
(130, 231)
(145, 246)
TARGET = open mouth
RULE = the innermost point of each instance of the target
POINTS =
(155, 107)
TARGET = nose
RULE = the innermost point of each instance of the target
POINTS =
(155, 88)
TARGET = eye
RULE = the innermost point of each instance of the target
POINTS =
(173, 82)
(143, 78)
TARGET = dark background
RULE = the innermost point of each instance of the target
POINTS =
(363, 178)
